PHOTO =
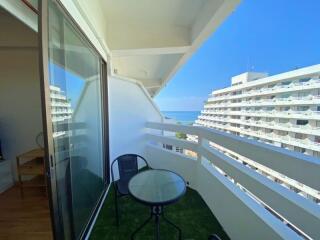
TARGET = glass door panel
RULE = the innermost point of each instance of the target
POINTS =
(74, 82)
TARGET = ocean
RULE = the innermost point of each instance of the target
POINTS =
(184, 117)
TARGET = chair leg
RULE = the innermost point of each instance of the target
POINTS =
(116, 205)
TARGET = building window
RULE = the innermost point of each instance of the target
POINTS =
(302, 122)
(304, 94)
(302, 108)
(283, 120)
(284, 108)
(304, 80)
(300, 136)
(316, 154)
(269, 108)
(167, 146)
(285, 83)
(283, 133)
(179, 150)
(299, 149)
(287, 95)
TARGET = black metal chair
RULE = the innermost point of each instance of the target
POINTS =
(127, 167)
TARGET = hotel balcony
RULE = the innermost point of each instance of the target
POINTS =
(271, 124)
(303, 143)
(308, 115)
(294, 86)
(225, 196)
(120, 54)
(58, 96)
(306, 100)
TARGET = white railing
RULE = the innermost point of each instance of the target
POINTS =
(269, 102)
(239, 214)
(278, 126)
(314, 115)
(295, 86)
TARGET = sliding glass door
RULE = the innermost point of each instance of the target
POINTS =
(74, 114)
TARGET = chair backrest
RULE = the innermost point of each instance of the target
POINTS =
(127, 166)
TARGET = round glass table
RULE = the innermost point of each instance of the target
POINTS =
(157, 188)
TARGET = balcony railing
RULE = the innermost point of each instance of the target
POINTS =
(314, 115)
(295, 86)
(241, 198)
(270, 102)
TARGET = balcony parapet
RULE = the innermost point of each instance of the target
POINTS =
(294, 208)
(298, 86)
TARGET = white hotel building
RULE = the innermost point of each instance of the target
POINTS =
(60, 107)
(283, 110)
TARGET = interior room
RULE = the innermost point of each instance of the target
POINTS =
(24, 204)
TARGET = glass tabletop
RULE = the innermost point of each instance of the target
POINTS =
(157, 187)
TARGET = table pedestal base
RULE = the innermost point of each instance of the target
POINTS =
(156, 212)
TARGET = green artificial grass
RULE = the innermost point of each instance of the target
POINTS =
(190, 213)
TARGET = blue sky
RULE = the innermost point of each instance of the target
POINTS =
(271, 36)
(68, 82)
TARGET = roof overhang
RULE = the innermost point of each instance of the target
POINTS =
(150, 40)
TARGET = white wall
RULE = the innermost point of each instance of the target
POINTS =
(20, 102)
(129, 110)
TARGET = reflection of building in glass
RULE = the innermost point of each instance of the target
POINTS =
(60, 108)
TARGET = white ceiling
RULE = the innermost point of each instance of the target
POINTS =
(149, 40)
(146, 68)
(164, 12)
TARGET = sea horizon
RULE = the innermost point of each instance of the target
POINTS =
(183, 117)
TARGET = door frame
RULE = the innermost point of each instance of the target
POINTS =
(43, 40)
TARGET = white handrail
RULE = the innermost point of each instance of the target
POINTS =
(281, 160)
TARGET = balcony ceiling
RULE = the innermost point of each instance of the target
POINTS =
(149, 40)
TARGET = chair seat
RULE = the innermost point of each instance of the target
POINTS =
(122, 187)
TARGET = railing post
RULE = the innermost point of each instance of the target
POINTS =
(199, 156)
(201, 142)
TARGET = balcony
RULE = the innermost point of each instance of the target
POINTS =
(269, 125)
(247, 204)
(191, 214)
(294, 86)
